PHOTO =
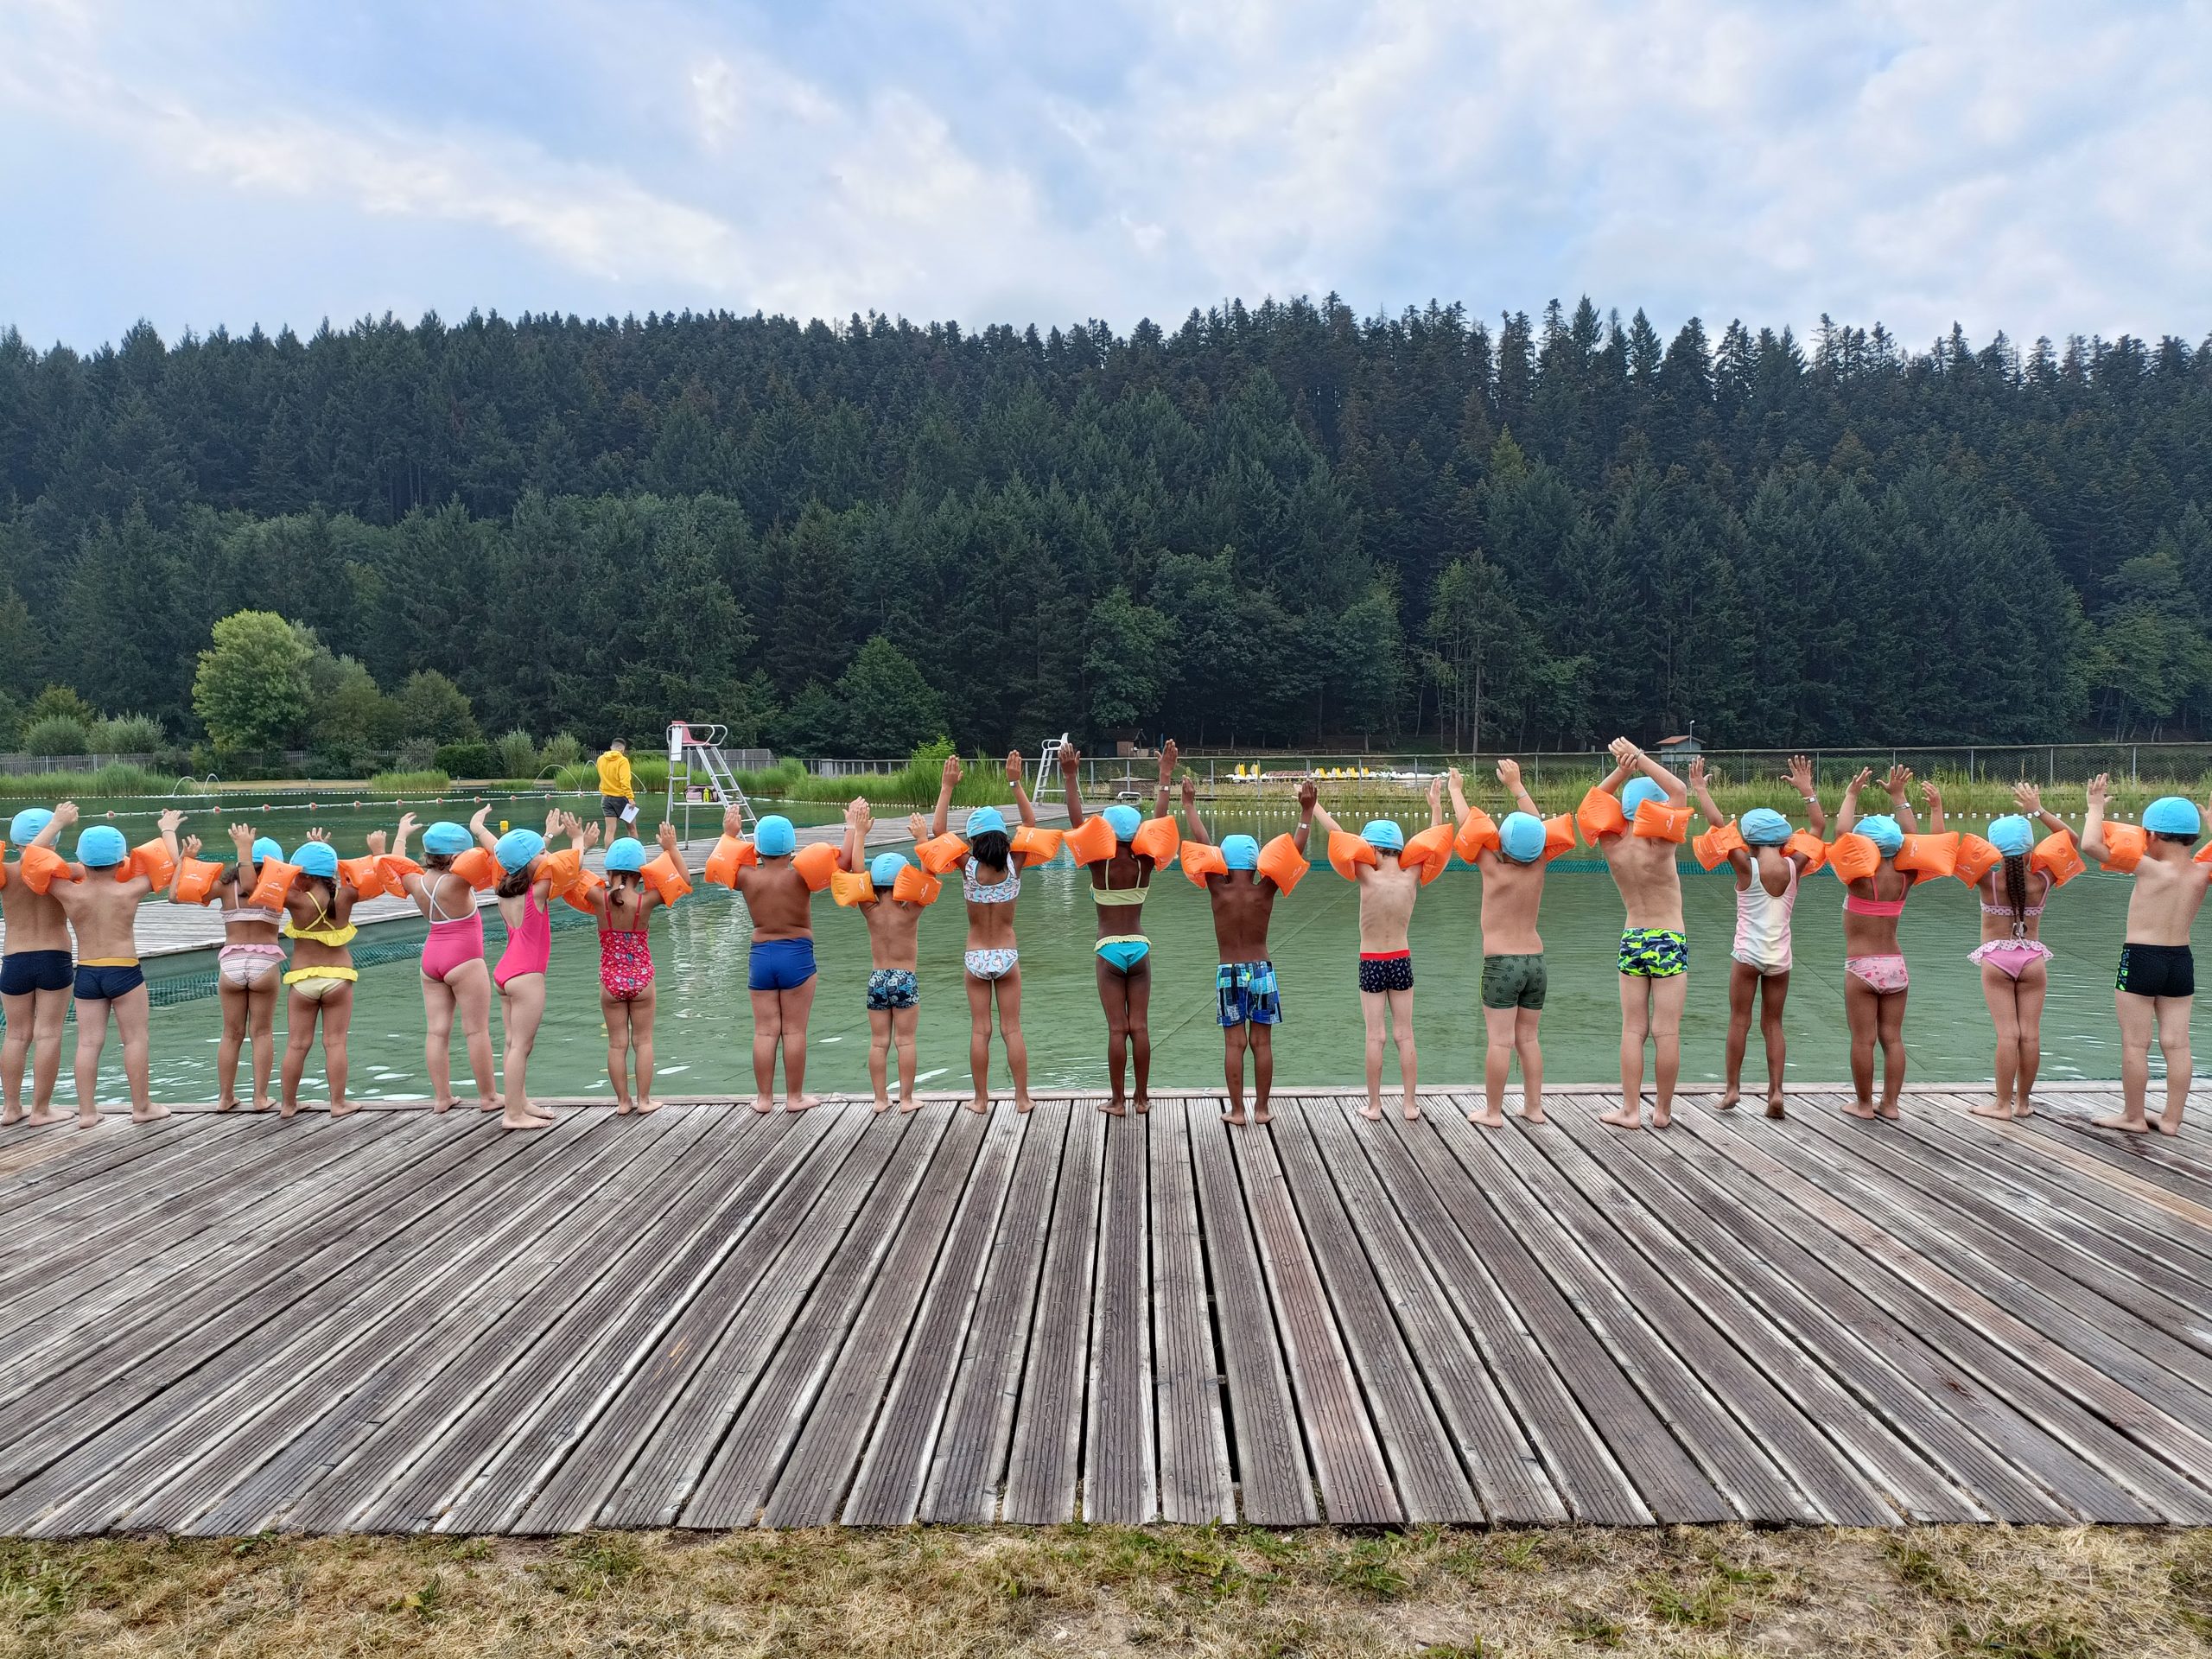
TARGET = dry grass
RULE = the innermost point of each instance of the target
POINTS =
(1996, 1592)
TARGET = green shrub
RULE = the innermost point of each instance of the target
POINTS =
(516, 755)
(116, 780)
(129, 734)
(412, 783)
(417, 755)
(57, 734)
(466, 759)
(561, 750)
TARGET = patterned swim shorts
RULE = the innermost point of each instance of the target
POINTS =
(1654, 952)
(1381, 971)
(892, 988)
(1245, 992)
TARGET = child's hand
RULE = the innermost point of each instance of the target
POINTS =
(919, 828)
(1436, 794)
(1308, 797)
(854, 808)
(483, 814)
(242, 836)
(1798, 774)
(1697, 771)
(189, 847)
(1931, 794)
(2027, 798)
(1899, 782)
(65, 813)
(406, 825)
(666, 836)
(1013, 767)
(586, 835)
(1623, 751)
(376, 841)
(168, 821)
(734, 822)
(1168, 756)
(1190, 792)
(952, 774)
(1070, 755)
(318, 835)
(554, 824)
(2098, 786)
(1509, 772)
(1866, 775)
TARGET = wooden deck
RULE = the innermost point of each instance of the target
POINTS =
(399, 1322)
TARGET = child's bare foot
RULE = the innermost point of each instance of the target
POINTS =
(1662, 1117)
(1624, 1117)
(801, 1102)
(1142, 1104)
(344, 1108)
(87, 1117)
(910, 1102)
(2169, 1126)
(1861, 1109)
(1260, 1113)
(491, 1103)
(1372, 1111)
(40, 1118)
(982, 1104)
(441, 1107)
(1412, 1109)
(151, 1113)
(1235, 1114)
(13, 1114)
(2023, 1106)
(1993, 1108)
(1889, 1110)
(763, 1103)
(1774, 1105)
(228, 1104)
(1114, 1108)
(1727, 1101)
(262, 1103)
(623, 1106)
(882, 1101)
(1021, 1101)
(288, 1111)
(1533, 1113)
(647, 1104)
(522, 1121)
(1488, 1118)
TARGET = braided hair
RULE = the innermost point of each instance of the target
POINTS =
(2016, 892)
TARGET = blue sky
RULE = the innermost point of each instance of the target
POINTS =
(2034, 166)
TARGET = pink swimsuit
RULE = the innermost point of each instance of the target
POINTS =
(1886, 972)
(454, 939)
(530, 945)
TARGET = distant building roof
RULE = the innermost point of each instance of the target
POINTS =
(1684, 742)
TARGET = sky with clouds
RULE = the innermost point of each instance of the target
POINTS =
(2032, 165)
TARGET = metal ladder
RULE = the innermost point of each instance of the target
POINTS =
(696, 746)
(1048, 767)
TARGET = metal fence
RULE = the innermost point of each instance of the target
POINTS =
(27, 764)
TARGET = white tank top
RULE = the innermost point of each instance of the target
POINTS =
(1763, 919)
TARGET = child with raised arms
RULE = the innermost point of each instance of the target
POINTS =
(100, 896)
(1875, 979)
(1120, 881)
(1511, 857)
(779, 964)
(2011, 956)
(525, 893)
(1241, 883)
(319, 986)
(1635, 817)
(897, 893)
(37, 969)
(626, 997)
(990, 881)
(456, 979)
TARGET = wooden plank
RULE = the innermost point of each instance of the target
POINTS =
(1267, 1450)
(122, 1173)
(1503, 1466)
(889, 1487)
(1195, 1482)
(225, 1420)
(1984, 1338)
(1348, 1461)
(1118, 1479)
(2141, 1160)
(1423, 1461)
(666, 1471)
(1042, 1464)
(818, 1471)
(745, 1466)
(972, 1444)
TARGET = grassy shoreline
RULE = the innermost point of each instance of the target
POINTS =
(2022, 1592)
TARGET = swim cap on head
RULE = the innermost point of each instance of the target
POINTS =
(984, 821)
(102, 847)
(1882, 830)
(317, 858)
(1763, 827)
(266, 848)
(26, 823)
(2170, 815)
(1636, 791)
(1124, 820)
(625, 856)
(1521, 837)
(1384, 836)
(1240, 852)
(443, 838)
(517, 848)
(774, 837)
(883, 869)
(2013, 835)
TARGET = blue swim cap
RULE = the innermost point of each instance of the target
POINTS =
(1521, 837)
(26, 823)
(1636, 791)
(773, 837)
(1240, 852)
(517, 848)
(983, 821)
(883, 869)
(625, 856)
(1881, 829)
(2170, 815)
(1125, 821)
(1763, 827)
(2013, 835)
(102, 847)
(317, 858)
(265, 849)
(1384, 836)
(443, 838)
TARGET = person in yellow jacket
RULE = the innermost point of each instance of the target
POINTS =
(618, 791)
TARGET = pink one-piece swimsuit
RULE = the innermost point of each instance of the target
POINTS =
(530, 944)
(454, 939)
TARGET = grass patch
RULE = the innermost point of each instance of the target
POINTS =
(2000, 1638)
(114, 780)
(411, 782)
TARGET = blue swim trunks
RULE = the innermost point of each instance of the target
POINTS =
(22, 972)
(103, 982)
(890, 988)
(780, 964)
(1245, 993)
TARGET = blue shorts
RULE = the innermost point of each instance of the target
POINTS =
(105, 984)
(780, 964)
(22, 972)
(890, 988)
(1244, 993)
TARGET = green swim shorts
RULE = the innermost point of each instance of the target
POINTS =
(1654, 952)
(1513, 981)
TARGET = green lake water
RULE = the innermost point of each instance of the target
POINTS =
(705, 1027)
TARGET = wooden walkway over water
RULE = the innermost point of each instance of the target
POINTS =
(708, 1318)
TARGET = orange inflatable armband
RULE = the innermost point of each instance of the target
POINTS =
(2125, 844)
(151, 860)
(1559, 836)
(578, 897)
(3, 864)
(1156, 839)
(1808, 846)
(395, 869)
(195, 881)
(1931, 855)
(1976, 859)
(730, 856)
(478, 867)
(815, 864)
(1091, 842)
(1479, 831)
(671, 884)
(365, 875)
(916, 887)
(1347, 853)
(1034, 846)
(42, 867)
(942, 852)
(272, 881)
(1656, 820)
(1599, 815)
(1200, 859)
(1429, 852)
(2057, 857)
(851, 888)
(1713, 846)
(1854, 858)
(1282, 863)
